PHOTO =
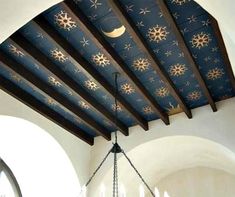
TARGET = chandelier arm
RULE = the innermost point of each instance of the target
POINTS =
(137, 172)
(97, 169)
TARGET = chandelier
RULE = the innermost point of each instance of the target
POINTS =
(117, 149)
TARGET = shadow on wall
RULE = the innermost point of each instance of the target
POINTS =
(38, 162)
(161, 157)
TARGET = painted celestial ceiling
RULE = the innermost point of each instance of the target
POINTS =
(199, 38)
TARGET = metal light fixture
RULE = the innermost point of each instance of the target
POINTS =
(117, 149)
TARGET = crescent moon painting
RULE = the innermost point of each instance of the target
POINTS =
(117, 32)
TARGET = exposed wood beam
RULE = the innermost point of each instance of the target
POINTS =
(88, 69)
(116, 60)
(27, 99)
(182, 45)
(62, 76)
(46, 88)
(223, 50)
(125, 19)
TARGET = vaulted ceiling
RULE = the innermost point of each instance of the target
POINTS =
(170, 56)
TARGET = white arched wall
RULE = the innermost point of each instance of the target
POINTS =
(216, 127)
(38, 162)
(77, 150)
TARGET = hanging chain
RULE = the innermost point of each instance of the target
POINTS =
(115, 167)
(137, 172)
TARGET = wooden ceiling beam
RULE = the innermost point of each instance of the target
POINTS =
(69, 81)
(29, 100)
(47, 89)
(90, 30)
(223, 50)
(88, 69)
(125, 19)
(182, 45)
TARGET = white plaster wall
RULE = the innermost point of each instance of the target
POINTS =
(198, 182)
(216, 127)
(77, 150)
(16, 13)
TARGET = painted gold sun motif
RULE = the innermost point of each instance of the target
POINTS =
(91, 85)
(162, 92)
(173, 109)
(127, 88)
(15, 77)
(100, 60)
(141, 64)
(179, 2)
(200, 40)
(58, 55)
(16, 51)
(83, 105)
(50, 101)
(119, 108)
(157, 33)
(177, 69)
(195, 95)
(54, 82)
(214, 74)
(148, 110)
(64, 21)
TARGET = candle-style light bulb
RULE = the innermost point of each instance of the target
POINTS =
(156, 192)
(166, 194)
(102, 190)
(122, 191)
(141, 189)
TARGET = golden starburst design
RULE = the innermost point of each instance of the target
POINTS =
(83, 105)
(195, 95)
(148, 110)
(162, 92)
(119, 108)
(15, 77)
(64, 21)
(179, 2)
(91, 85)
(178, 69)
(157, 33)
(54, 82)
(50, 101)
(16, 51)
(100, 60)
(58, 55)
(173, 109)
(214, 74)
(127, 88)
(141, 64)
(200, 40)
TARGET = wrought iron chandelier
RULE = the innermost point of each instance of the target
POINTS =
(116, 149)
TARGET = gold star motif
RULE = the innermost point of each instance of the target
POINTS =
(100, 60)
(214, 74)
(200, 40)
(50, 101)
(179, 2)
(107, 123)
(54, 82)
(148, 110)
(174, 109)
(91, 85)
(15, 77)
(177, 69)
(95, 4)
(119, 108)
(162, 92)
(127, 88)
(64, 21)
(157, 33)
(141, 64)
(144, 11)
(195, 95)
(83, 105)
(16, 51)
(127, 47)
(58, 55)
